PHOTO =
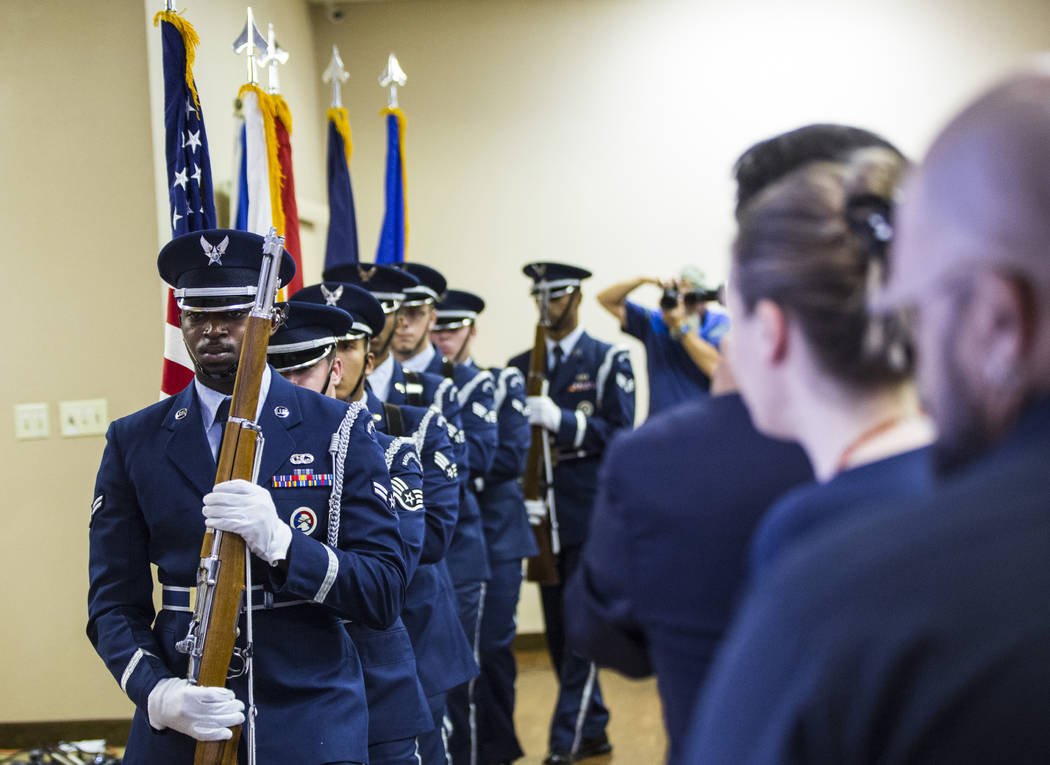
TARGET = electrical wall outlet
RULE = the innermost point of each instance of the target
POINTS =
(31, 421)
(83, 418)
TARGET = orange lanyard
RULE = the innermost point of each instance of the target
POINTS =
(864, 438)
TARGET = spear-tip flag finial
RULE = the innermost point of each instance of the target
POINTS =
(337, 75)
(275, 56)
(249, 41)
(393, 77)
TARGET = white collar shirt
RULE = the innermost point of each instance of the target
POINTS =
(421, 360)
(567, 343)
(380, 378)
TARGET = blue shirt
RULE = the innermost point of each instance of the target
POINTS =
(673, 376)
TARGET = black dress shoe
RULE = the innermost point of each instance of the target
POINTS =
(592, 747)
(558, 758)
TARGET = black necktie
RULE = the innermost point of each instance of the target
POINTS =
(558, 354)
(223, 412)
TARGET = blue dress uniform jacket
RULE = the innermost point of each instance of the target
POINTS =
(441, 392)
(308, 685)
(666, 558)
(444, 658)
(913, 634)
(509, 538)
(467, 556)
(397, 706)
(428, 429)
(507, 531)
(594, 386)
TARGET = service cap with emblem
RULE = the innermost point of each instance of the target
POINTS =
(458, 308)
(306, 335)
(556, 279)
(431, 287)
(365, 311)
(387, 284)
(217, 269)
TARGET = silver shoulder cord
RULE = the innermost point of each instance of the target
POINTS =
(338, 448)
(548, 472)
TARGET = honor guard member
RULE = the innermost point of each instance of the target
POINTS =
(591, 396)
(467, 558)
(508, 535)
(325, 544)
(389, 381)
(444, 658)
(303, 350)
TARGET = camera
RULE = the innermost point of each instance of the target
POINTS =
(670, 297)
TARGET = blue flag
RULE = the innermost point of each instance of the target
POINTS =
(395, 221)
(190, 191)
(239, 210)
(341, 247)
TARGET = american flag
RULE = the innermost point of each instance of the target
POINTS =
(190, 190)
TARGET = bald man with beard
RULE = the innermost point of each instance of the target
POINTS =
(921, 634)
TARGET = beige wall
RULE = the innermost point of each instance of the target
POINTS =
(77, 221)
(595, 132)
(602, 133)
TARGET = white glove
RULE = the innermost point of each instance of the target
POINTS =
(247, 509)
(205, 714)
(537, 511)
(543, 411)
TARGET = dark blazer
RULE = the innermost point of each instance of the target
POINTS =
(507, 531)
(914, 633)
(308, 685)
(811, 507)
(594, 386)
(661, 569)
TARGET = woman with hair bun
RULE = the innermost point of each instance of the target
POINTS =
(815, 363)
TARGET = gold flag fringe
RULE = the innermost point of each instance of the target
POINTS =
(190, 39)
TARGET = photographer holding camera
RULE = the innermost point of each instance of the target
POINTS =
(681, 337)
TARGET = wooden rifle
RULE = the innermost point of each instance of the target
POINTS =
(224, 561)
(539, 473)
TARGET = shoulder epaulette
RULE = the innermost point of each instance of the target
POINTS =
(606, 368)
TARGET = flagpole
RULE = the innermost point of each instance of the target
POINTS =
(275, 56)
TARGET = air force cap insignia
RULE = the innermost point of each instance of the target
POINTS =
(214, 252)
